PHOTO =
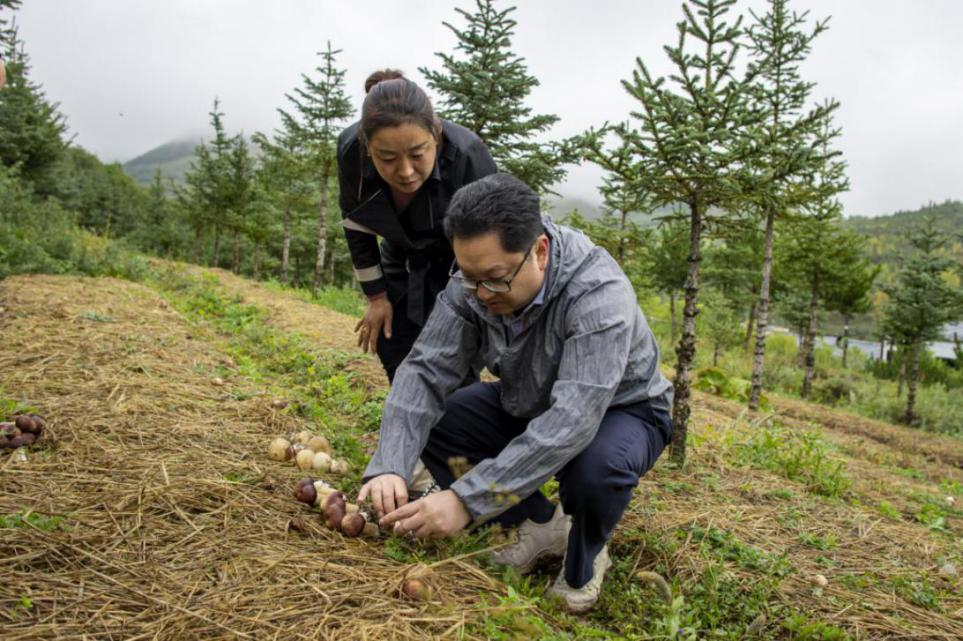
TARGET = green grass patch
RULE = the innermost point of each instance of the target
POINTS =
(33, 520)
(801, 456)
(285, 361)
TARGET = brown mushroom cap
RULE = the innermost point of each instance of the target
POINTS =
(416, 590)
(353, 524)
(25, 423)
(334, 509)
(39, 421)
(305, 491)
(28, 438)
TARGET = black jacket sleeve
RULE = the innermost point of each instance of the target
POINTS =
(362, 245)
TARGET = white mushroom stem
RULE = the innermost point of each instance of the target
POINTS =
(323, 490)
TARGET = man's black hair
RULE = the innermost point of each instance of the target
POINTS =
(496, 203)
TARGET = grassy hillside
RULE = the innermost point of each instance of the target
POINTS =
(888, 234)
(151, 510)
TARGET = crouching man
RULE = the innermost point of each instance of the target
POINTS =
(580, 395)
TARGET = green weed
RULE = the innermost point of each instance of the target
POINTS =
(803, 629)
(797, 455)
(28, 520)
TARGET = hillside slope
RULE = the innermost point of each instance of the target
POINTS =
(152, 510)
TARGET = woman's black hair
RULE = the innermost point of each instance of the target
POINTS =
(392, 100)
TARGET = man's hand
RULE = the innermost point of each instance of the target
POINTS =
(437, 515)
(387, 492)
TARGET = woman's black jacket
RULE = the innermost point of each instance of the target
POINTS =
(415, 255)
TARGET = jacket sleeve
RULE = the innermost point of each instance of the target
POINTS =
(594, 356)
(437, 364)
(362, 242)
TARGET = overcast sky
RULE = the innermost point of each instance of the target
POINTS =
(132, 74)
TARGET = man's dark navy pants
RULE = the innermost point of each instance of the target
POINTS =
(595, 487)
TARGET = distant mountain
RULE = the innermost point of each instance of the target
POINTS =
(172, 158)
(889, 234)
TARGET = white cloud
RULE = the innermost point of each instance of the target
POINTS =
(893, 65)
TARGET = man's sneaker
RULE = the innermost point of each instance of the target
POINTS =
(579, 600)
(536, 541)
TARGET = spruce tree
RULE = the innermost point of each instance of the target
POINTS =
(209, 184)
(287, 183)
(321, 108)
(483, 87)
(32, 130)
(921, 302)
(814, 255)
(667, 267)
(623, 187)
(241, 189)
(697, 143)
(851, 291)
(790, 137)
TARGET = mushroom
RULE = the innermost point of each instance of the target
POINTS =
(278, 449)
(321, 462)
(319, 444)
(304, 459)
(305, 492)
(25, 423)
(302, 437)
(417, 583)
(334, 509)
(356, 524)
(339, 466)
(293, 450)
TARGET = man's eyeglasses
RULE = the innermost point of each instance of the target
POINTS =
(500, 286)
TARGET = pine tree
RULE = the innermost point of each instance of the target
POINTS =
(623, 188)
(32, 130)
(484, 89)
(790, 138)
(851, 290)
(209, 186)
(240, 166)
(698, 145)
(667, 267)
(320, 107)
(7, 35)
(733, 266)
(286, 179)
(921, 303)
(814, 255)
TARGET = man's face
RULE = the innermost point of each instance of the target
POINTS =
(484, 258)
(404, 156)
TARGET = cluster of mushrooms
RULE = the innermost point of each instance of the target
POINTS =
(309, 452)
(354, 521)
(336, 512)
(23, 431)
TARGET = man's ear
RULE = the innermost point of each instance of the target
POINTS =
(541, 251)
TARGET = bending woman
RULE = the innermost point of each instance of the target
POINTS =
(399, 167)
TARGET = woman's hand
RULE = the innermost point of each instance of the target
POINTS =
(387, 493)
(377, 317)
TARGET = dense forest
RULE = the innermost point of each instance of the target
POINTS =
(730, 162)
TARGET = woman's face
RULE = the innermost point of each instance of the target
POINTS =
(403, 155)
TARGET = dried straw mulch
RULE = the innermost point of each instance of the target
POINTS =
(174, 525)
